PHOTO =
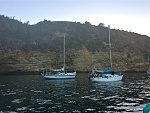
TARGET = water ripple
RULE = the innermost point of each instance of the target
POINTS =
(34, 94)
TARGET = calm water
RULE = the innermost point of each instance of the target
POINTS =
(32, 93)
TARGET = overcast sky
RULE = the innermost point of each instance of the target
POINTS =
(129, 15)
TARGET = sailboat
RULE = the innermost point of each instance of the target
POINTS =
(59, 73)
(148, 71)
(106, 75)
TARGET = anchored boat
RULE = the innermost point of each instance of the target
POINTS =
(59, 73)
(105, 75)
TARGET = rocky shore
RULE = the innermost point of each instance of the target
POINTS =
(35, 62)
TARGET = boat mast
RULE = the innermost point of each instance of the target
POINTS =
(110, 47)
(64, 52)
(149, 63)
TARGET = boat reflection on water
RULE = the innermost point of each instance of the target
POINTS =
(108, 85)
(59, 82)
(107, 88)
(56, 88)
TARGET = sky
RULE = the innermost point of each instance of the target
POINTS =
(128, 15)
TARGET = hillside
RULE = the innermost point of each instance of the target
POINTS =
(33, 47)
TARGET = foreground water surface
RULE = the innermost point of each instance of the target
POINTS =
(32, 93)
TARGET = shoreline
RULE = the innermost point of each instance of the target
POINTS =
(39, 73)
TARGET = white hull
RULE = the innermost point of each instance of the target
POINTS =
(148, 72)
(108, 78)
(59, 76)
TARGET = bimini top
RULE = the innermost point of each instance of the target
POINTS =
(103, 71)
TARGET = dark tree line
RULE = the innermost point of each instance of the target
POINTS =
(48, 36)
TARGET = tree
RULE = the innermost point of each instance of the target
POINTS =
(83, 61)
(101, 24)
(27, 23)
(87, 23)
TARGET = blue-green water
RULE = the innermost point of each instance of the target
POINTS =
(32, 93)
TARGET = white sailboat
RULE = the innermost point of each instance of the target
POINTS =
(59, 73)
(106, 75)
(148, 71)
